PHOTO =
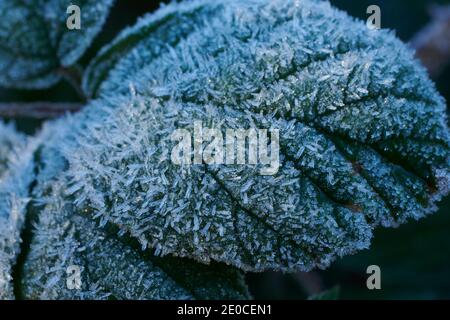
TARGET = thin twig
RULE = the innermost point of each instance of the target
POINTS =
(432, 43)
(37, 110)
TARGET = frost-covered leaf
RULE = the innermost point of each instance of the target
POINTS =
(60, 237)
(152, 36)
(16, 186)
(10, 140)
(35, 43)
(363, 135)
(14, 197)
(111, 267)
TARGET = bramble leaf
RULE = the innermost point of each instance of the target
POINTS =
(111, 267)
(34, 54)
(10, 140)
(150, 37)
(363, 135)
(16, 155)
(56, 236)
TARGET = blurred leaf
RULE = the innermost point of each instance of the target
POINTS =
(331, 294)
(150, 37)
(414, 261)
(112, 267)
(35, 43)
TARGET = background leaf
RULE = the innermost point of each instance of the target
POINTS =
(15, 184)
(331, 294)
(10, 140)
(150, 37)
(34, 54)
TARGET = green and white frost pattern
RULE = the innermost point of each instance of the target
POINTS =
(363, 136)
(207, 213)
(32, 53)
(111, 268)
(16, 185)
(14, 197)
(10, 141)
(363, 133)
(11, 206)
(153, 35)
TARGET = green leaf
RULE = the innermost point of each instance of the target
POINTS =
(10, 140)
(111, 267)
(363, 135)
(14, 198)
(27, 165)
(153, 35)
(331, 294)
(56, 236)
(36, 45)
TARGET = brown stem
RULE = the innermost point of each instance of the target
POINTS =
(432, 43)
(37, 110)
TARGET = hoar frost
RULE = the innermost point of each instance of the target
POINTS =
(363, 142)
(363, 134)
(36, 45)
(235, 146)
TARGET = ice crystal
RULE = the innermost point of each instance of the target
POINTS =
(36, 43)
(150, 37)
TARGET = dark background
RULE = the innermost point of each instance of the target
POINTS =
(414, 259)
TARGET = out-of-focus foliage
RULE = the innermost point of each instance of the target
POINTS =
(35, 42)
(14, 198)
(331, 294)
(10, 140)
(413, 259)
